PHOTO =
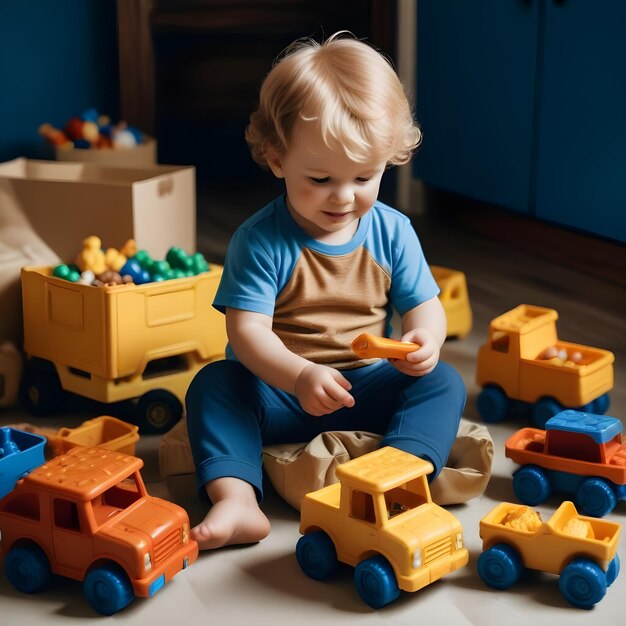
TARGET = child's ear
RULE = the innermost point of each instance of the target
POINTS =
(274, 162)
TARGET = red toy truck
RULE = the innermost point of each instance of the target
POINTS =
(578, 453)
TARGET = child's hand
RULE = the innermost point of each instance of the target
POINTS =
(423, 360)
(322, 390)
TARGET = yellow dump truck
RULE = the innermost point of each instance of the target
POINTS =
(524, 363)
(115, 343)
(380, 518)
(581, 550)
(455, 300)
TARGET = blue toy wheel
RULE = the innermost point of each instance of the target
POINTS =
(544, 409)
(500, 566)
(582, 583)
(587, 408)
(595, 497)
(376, 582)
(27, 568)
(613, 571)
(601, 404)
(316, 555)
(157, 411)
(492, 404)
(531, 485)
(108, 589)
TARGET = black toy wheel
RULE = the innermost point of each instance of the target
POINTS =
(157, 411)
(40, 389)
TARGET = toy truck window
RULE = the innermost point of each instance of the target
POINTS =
(65, 514)
(573, 446)
(24, 505)
(402, 499)
(123, 494)
(500, 341)
(362, 506)
(115, 499)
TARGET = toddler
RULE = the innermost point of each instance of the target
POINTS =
(309, 272)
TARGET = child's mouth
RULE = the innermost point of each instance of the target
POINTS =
(336, 217)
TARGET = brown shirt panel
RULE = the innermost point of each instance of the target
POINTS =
(328, 301)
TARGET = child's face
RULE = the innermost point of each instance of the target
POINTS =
(326, 192)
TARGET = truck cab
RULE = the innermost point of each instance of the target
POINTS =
(380, 518)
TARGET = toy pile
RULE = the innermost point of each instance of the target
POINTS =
(97, 267)
(92, 131)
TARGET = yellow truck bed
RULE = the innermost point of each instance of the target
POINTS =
(577, 383)
(554, 543)
(114, 332)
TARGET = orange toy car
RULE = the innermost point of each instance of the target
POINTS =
(87, 515)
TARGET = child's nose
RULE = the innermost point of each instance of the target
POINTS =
(343, 194)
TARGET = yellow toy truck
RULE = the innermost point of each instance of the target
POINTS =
(380, 519)
(115, 343)
(524, 363)
(455, 300)
(581, 550)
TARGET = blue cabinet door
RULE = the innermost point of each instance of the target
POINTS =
(581, 162)
(476, 64)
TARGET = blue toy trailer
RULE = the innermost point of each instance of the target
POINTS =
(20, 452)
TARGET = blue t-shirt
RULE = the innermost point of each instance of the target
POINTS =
(322, 296)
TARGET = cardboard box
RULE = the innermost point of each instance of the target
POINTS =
(66, 202)
(143, 155)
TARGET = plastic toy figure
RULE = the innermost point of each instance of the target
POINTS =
(524, 364)
(578, 453)
(381, 519)
(87, 515)
(369, 346)
(306, 275)
(581, 550)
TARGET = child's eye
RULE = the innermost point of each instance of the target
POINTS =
(319, 181)
(361, 179)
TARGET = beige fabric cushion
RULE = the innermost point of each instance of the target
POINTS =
(296, 469)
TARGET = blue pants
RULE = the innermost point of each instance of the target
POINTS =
(232, 414)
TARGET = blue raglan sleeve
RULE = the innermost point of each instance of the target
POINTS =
(412, 282)
(249, 280)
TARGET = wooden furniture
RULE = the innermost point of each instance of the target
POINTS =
(238, 39)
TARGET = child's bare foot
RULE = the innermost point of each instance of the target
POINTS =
(234, 518)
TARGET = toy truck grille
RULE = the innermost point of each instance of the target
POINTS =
(437, 549)
(167, 546)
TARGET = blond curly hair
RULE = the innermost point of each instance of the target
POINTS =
(349, 89)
